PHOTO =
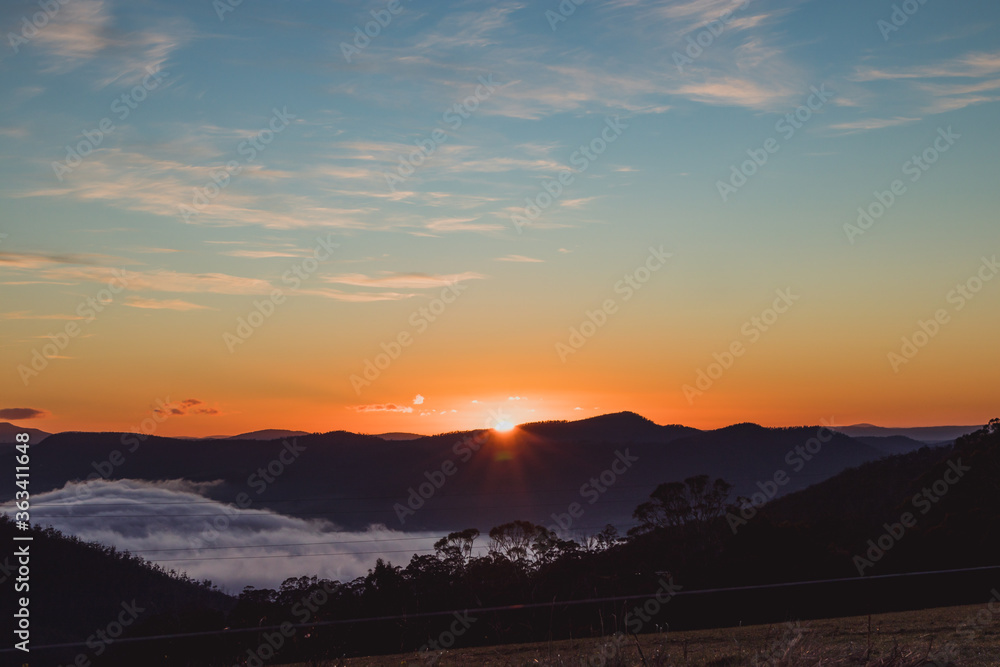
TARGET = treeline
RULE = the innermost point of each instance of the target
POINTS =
(79, 590)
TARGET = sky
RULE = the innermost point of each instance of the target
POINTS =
(217, 217)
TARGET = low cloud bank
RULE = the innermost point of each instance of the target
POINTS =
(170, 520)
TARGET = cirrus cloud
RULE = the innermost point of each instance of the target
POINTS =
(22, 413)
(381, 407)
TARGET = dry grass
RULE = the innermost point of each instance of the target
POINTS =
(905, 639)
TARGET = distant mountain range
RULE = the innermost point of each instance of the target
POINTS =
(924, 434)
(268, 434)
(928, 434)
(8, 433)
(607, 464)
(399, 436)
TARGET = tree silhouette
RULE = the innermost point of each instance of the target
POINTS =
(681, 503)
(457, 546)
(522, 542)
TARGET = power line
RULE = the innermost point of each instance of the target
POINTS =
(286, 555)
(336, 553)
(244, 513)
(303, 544)
(437, 536)
(514, 607)
(393, 497)
(287, 544)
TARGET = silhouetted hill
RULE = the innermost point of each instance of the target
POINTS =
(268, 434)
(895, 444)
(530, 473)
(617, 427)
(951, 493)
(927, 434)
(77, 589)
(399, 436)
(9, 431)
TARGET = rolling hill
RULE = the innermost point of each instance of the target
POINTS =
(9, 431)
(607, 464)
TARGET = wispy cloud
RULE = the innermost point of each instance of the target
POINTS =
(576, 203)
(37, 260)
(404, 280)
(163, 304)
(85, 31)
(25, 315)
(140, 182)
(944, 86)
(76, 33)
(537, 82)
(260, 254)
(462, 225)
(518, 258)
(382, 407)
(165, 280)
(872, 124)
(19, 414)
(189, 406)
(967, 66)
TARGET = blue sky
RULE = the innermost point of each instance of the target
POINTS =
(220, 78)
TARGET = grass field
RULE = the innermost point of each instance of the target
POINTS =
(905, 639)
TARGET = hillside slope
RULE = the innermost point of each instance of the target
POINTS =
(607, 464)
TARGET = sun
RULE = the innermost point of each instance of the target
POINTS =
(503, 426)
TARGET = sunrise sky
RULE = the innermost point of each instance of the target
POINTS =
(115, 118)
